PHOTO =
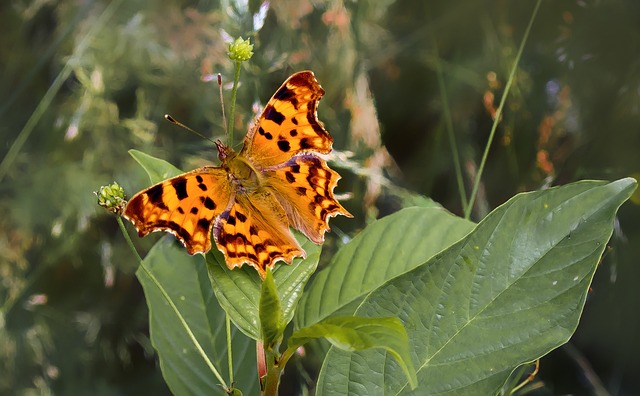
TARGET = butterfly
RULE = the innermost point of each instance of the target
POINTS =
(249, 202)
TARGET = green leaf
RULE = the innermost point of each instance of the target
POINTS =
(157, 169)
(184, 278)
(352, 333)
(270, 312)
(507, 294)
(238, 290)
(385, 249)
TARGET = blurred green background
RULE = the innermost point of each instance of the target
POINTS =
(82, 82)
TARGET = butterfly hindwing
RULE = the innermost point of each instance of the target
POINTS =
(254, 230)
(288, 124)
(304, 187)
(185, 205)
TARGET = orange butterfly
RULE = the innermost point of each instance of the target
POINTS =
(252, 198)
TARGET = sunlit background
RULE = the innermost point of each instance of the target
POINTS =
(408, 84)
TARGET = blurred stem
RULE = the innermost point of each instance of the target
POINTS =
(234, 93)
(229, 349)
(164, 293)
(449, 126)
(46, 100)
(498, 115)
(597, 387)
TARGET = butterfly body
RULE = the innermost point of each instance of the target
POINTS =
(248, 202)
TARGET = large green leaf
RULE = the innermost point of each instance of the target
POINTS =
(238, 290)
(508, 293)
(385, 249)
(185, 281)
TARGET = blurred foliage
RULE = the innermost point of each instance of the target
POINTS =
(73, 319)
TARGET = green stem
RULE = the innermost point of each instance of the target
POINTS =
(229, 348)
(234, 93)
(164, 293)
(127, 238)
(498, 115)
(273, 373)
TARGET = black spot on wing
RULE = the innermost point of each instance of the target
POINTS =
(267, 135)
(194, 210)
(293, 132)
(204, 224)
(241, 217)
(289, 176)
(285, 94)
(155, 196)
(208, 203)
(180, 185)
(155, 193)
(284, 146)
(305, 143)
(301, 190)
(270, 113)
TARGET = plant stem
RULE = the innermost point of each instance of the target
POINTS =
(229, 348)
(498, 115)
(232, 109)
(273, 373)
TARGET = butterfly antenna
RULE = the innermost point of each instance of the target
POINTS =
(178, 123)
(224, 118)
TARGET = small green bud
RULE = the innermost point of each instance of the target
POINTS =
(240, 50)
(111, 198)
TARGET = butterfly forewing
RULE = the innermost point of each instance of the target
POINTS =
(185, 205)
(289, 124)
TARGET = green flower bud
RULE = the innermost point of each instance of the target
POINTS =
(111, 198)
(240, 50)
